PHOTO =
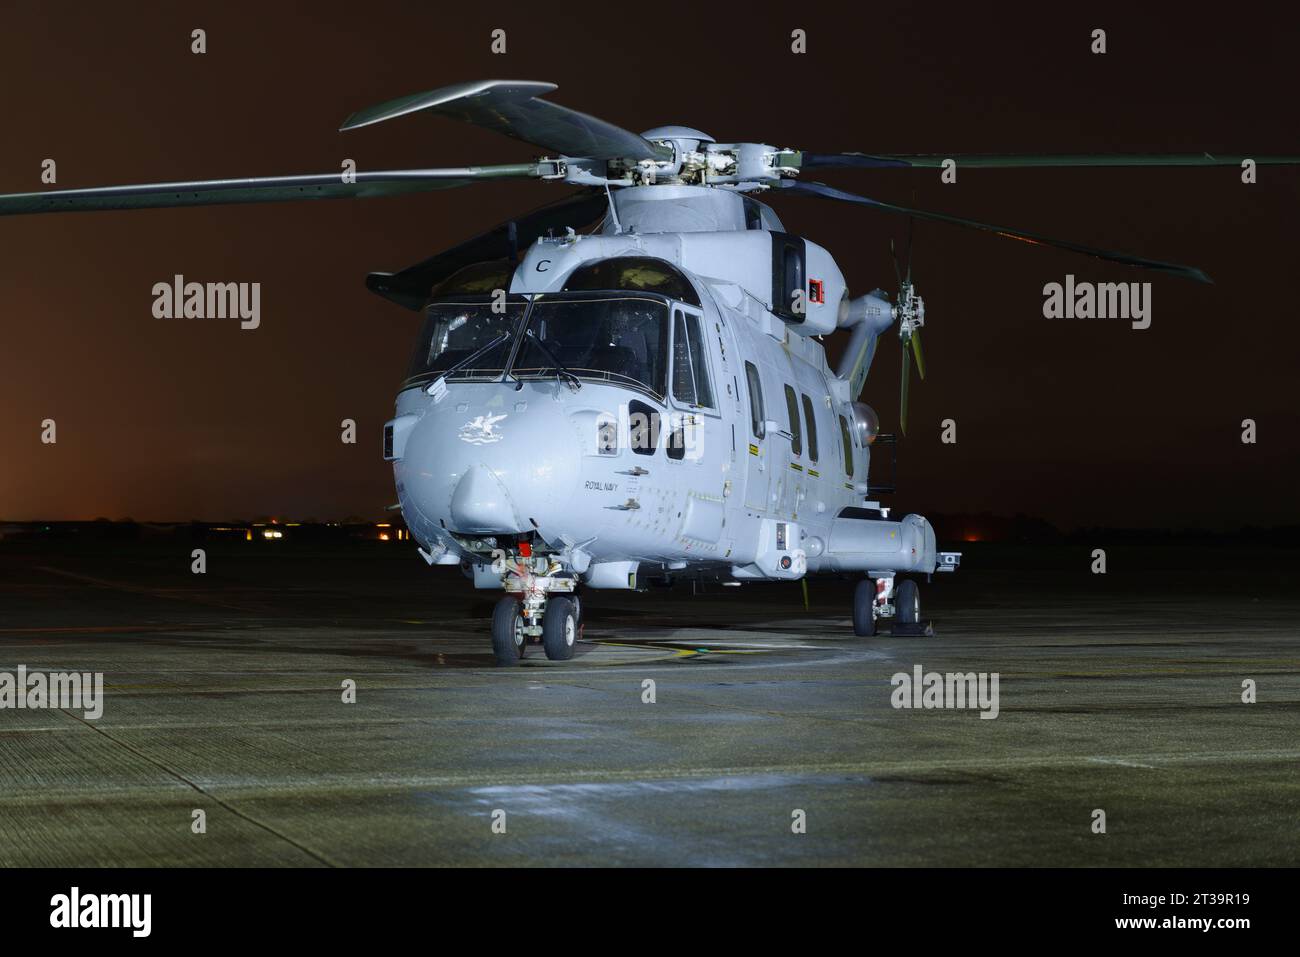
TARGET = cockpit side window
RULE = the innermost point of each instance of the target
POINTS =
(691, 383)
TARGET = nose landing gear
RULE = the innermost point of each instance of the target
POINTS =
(540, 604)
(560, 628)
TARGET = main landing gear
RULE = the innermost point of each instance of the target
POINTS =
(877, 598)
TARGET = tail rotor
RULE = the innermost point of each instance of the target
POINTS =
(909, 310)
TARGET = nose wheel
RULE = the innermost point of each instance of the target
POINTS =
(560, 628)
(508, 636)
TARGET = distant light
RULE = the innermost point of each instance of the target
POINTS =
(383, 536)
(272, 533)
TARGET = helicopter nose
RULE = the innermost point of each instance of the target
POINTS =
(490, 463)
(480, 503)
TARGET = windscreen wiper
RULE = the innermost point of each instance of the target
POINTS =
(560, 371)
(439, 384)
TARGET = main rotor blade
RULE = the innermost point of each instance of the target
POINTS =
(264, 189)
(1021, 160)
(511, 107)
(829, 192)
(911, 235)
(411, 286)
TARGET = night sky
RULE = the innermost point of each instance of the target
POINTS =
(1079, 422)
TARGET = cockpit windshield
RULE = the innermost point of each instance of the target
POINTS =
(616, 337)
(455, 330)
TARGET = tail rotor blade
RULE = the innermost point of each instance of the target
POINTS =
(915, 346)
(902, 397)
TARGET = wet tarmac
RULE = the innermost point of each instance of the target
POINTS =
(225, 693)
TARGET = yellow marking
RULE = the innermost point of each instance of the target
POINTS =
(753, 449)
(814, 473)
(796, 466)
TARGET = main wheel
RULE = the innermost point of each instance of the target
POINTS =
(508, 637)
(560, 628)
(864, 617)
(908, 602)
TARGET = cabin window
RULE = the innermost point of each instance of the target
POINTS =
(677, 439)
(792, 411)
(757, 412)
(811, 417)
(848, 447)
(690, 366)
(643, 423)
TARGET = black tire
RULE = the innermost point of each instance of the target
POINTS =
(560, 628)
(908, 602)
(864, 618)
(508, 639)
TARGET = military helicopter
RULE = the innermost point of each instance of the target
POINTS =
(649, 399)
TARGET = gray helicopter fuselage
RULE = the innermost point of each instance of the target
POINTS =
(743, 460)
